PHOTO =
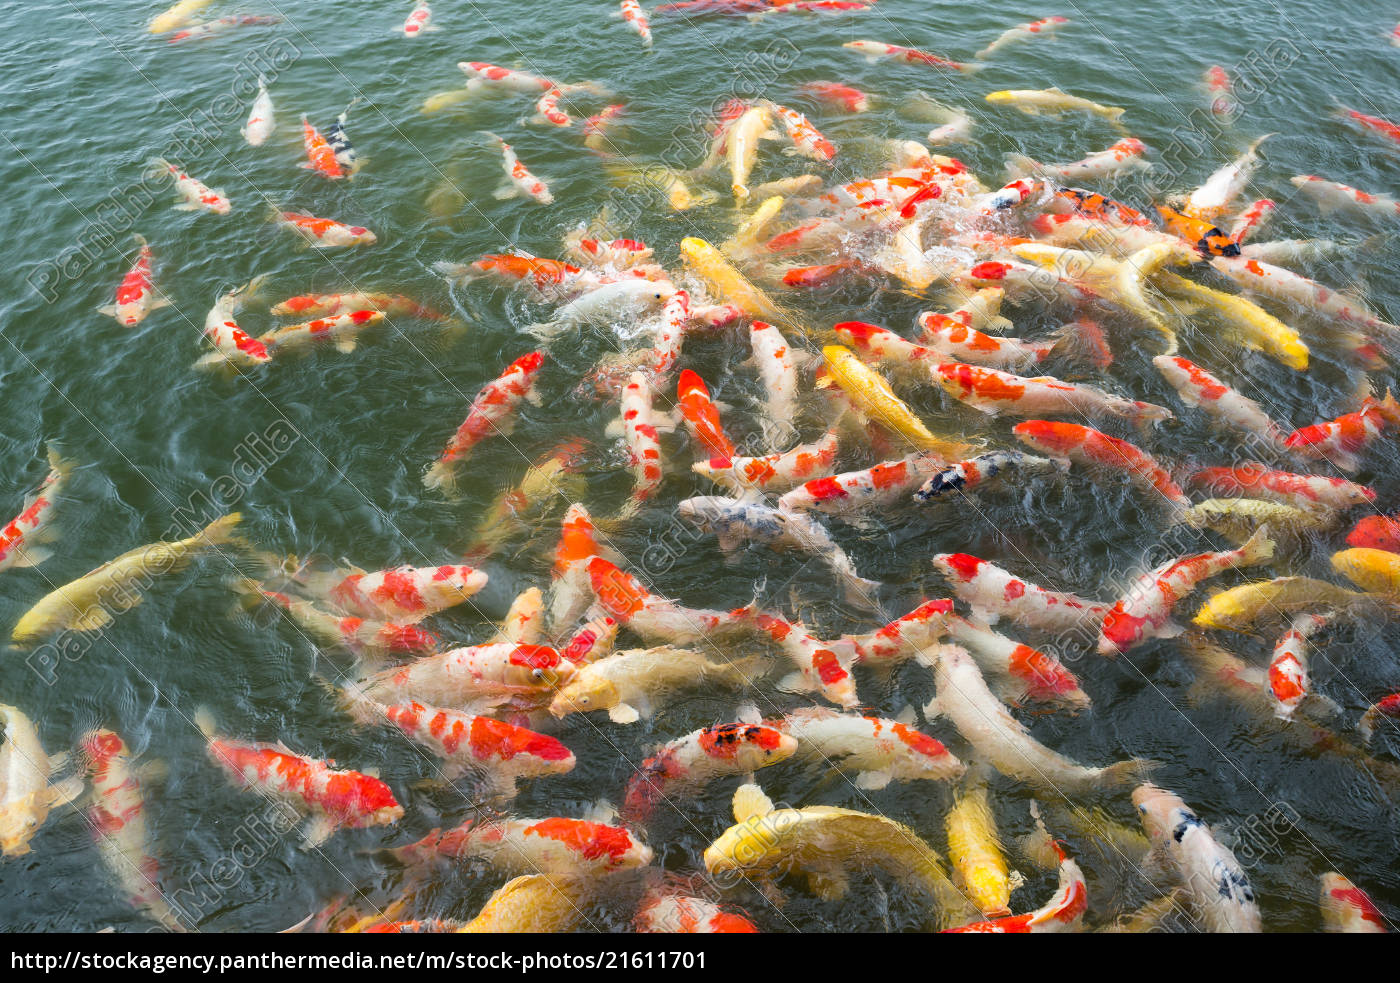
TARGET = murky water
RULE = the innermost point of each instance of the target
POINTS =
(90, 97)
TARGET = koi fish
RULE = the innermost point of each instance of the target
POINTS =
(232, 345)
(981, 472)
(1214, 881)
(904, 637)
(878, 750)
(1376, 532)
(1144, 612)
(177, 16)
(652, 616)
(529, 903)
(320, 155)
(1062, 913)
(117, 816)
(1377, 571)
(807, 140)
(570, 589)
(1280, 284)
(643, 442)
(195, 195)
(547, 110)
(1301, 490)
(1201, 389)
(875, 50)
(1046, 26)
(26, 794)
(210, 28)
(339, 329)
(1331, 196)
(1026, 673)
(687, 764)
(556, 848)
(1340, 441)
(847, 496)
(679, 913)
(597, 127)
(333, 799)
(592, 641)
(992, 392)
(339, 141)
(325, 305)
(636, 19)
(1123, 157)
(1347, 908)
(89, 603)
(993, 593)
(1374, 124)
(1034, 102)
(979, 865)
(1387, 707)
(1072, 442)
(986, 724)
(1288, 664)
(363, 636)
(1221, 91)
(137, 296)
(484, 73)
(631, 684)
(1251, 220)
(736, 521)
(817, 665)
(1259, 329)
(261, 119)
(852, 100)
(741, 146)
(701, 416)
(873, 396)
(1237, 518)
(772, 472)
(1202, 235)
(493, 412)
(824, 844)
(326, 233)
(406, 593)
(1212, 198)
(1238, 608)
(419, 21)
(474, 677)
(777, 368)
(22, 537)
(519, 179)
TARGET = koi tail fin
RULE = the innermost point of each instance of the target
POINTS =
(204, 720)
(1259, 548)
(1130, 772)
(441, 477)
(1019, 166)
(220, 532)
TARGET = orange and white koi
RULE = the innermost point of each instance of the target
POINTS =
(233, 345)
(678, 913)
(22, 537)
(326, 305)
(407, 594)
(904, 637)
(550, 278)
(851, 493)
(1331, 196)
(851, 99)
(1023, 673)
(1252, 219)
(702, 416)
(1288, 665)
(117, 815)
(671, 326)
(1200, 388)
(650, 615)
(1341, 441)
(1046, 26)
(807, 140)
(592, 641)
(571, 593)
(1063, 913)
(1385, 708)
(632, 684)
(547, 110)
(875, 50)
(1213, 878)
(501, 753)
(684, 766)
(261, 120)
(195, 195)
(137, 295)
(636, 19)
(1211, 199)
(878, 750)
(339, 329)
(520, 180)
(419, 21)
(992, 392)
(777, 368)
(333, 799)
(818, 666)
(1280, 284)
(320, 155)
(1374, 124)
(986, 724)
(484, 73)
(884, 346)
(363, 636)
(555, 847)
(210, 28)
(1123, 157)
(620, 254)
(492, 413)
(1072, 442)
(772, 472)
(1221, 91)
(326, 233)
(993, 593)
(26, 794)
(597, 127)
(1144, 612)
(1301, 490)
(474, 677)
(1345, 907)
(643, 441)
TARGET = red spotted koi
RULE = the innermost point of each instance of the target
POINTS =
(137, 295)
(492, 413)
(994, 593)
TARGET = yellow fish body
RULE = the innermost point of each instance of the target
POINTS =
(873, 396)
(975, 852)
(1259, 328)
(1238, 608)
(529, 903)
(89, 602)
(709, 264)
(1237, 518)
(1034, 102)
(1370, 569)
(178, 16)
